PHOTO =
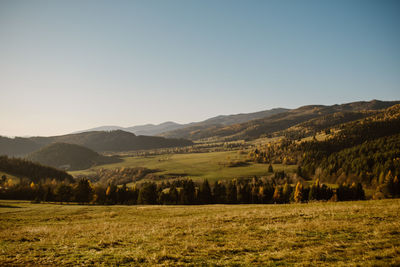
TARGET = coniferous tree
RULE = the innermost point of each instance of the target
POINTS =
(83, 191)
(231, 193)
(63, 193)
(148, 194)
(205, 196)
(286, 193)
(219, 192)
(270, 168)
(243, 193)
(188, 194)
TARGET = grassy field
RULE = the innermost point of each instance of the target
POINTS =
(211, 166)
(336, 234)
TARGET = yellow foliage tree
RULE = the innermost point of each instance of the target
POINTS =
(298, 193)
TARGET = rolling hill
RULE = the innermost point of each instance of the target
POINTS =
(222, 120)
(69, 157)
(266, 126)
(147, 129)
(99, 141)
(22, 168)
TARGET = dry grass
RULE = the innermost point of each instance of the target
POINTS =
(344, 234)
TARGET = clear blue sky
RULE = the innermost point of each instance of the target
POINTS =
(73, 65)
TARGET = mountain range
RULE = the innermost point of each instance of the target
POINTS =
(221, 120)
(268, 125)
(299, 122)
(147, 129)
(99, 141)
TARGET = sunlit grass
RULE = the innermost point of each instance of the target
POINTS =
(211, 166)
(336, 234)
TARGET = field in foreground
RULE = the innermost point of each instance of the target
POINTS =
(346, 233)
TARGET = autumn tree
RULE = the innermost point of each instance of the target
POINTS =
(298, 193)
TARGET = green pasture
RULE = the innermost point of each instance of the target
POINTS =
(211, 165)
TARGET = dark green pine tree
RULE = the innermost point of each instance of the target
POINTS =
(231, 193)
(205, 196)
(148, 194)
(219, 193)
(188, 194)
(83, 191)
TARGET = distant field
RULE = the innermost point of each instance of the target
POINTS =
(211, 166)
(337, 234)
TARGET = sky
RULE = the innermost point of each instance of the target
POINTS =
(73, 65)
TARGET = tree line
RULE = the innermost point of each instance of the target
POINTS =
(33, 171)
(180, 192)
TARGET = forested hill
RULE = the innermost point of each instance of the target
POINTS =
(17, 146)
(97, 140)
(69, 157)
(366, 150)
(32, 171)
(278, 122)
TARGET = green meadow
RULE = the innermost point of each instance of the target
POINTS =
(211, 165)
(362, 233)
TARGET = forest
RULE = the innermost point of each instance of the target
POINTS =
(184, 192)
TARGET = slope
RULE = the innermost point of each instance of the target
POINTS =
(22, 168)
(278, 122)
(97, 140)
(69, 157)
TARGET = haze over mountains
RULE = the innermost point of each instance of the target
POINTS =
(147, 129)
(298, 122)
(151, 129)
(275, 122)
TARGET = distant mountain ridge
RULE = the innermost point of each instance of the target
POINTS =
(298, 122)
(99, 141)
(147, 129)
(277, 122)
(159, 129)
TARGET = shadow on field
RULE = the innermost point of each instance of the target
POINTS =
(8, 206)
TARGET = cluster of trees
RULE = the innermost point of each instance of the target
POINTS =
(389, 186)
(122, 175)
(180, 192)
(284, 151)
(361, 151)
(367, 162)
(33, 171)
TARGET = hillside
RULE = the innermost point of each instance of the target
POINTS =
(97, 141)
(69, 157)
(313, 126)
(278, 122)
(35, 172)
(17, 146)
(365, 150)
(151, 129)
(147, 129)
(222, 120)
